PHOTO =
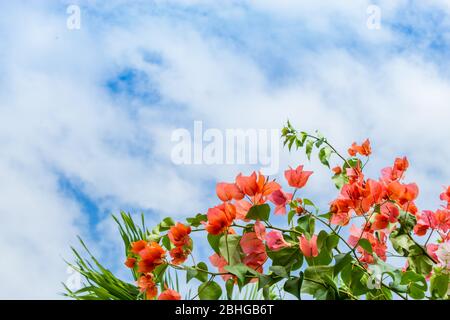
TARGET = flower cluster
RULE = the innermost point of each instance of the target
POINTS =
(380, 213)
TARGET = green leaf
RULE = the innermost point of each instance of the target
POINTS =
(239, 270)
(214, 241)
(342, 260)
(166, 224)
(309, 147)
(324, 155)
(259, 212)
(366, 245)
(197, 220)
(294, 286)
(439, 284)
(202, 275)
(291, 215)
(339, 180)
(229, 285)
(229, 248)
(280, 271)
(209, 291)
(191, 273)
(285, 256)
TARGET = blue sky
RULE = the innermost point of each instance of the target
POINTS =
(86, 115)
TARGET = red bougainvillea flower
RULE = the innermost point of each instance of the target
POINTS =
(309, 247)
(220, 218)
(228, 191)
(169, 294)
(242, 208)
(364, 149)
(179, 255)
(179, 234)
(130, 262)
(260, 230)
(147, 284)
(280, 199)
(426, 220)
(220, 263)
(151, 257)
(137, 246)
(275, 240)
(254, 250)
(297, 178)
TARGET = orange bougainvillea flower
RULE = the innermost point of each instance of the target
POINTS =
(337, 170)
(179, 234)
(169, 294)
(228, 191)
(378, 243)
(364, 149)
(280, 199)
(151, 257)
(402, 193)
(297, 178)
(137, 246)
(220, 218)
(256, 186)
(309, 247)
(147, 284)
(178, 255)
(130, 262)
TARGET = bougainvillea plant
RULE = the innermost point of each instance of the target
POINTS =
(371, 242)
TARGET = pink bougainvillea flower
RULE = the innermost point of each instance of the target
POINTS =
(426, 220)
(431, 250)
(242, 208)
(260, 230)
(179, 234)
(443, 254)
(220, 218)
(364, 149)
(169, 294)
(378, 243)
(309, 247)
(254, 250)
(228, 191)
(280, 199)
(297, 178)
(220, 263)
(275, 240)
(250, 243)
